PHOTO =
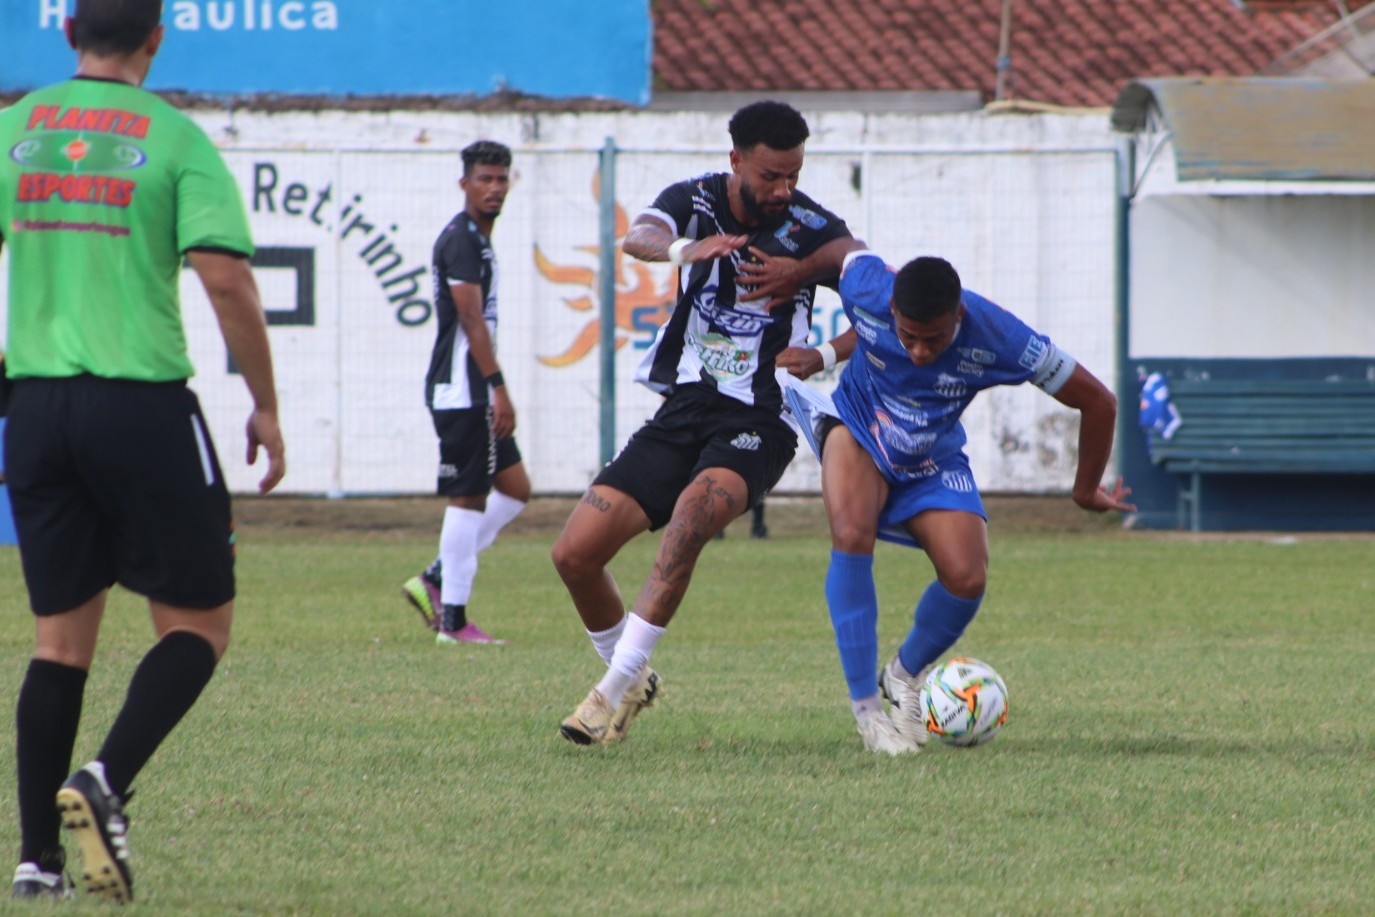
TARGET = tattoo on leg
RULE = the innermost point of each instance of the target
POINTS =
(691, 528)
(598, 503)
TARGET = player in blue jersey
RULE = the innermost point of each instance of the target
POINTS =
(893, 462)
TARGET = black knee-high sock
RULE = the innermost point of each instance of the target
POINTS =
(165, 685)
(48, 714)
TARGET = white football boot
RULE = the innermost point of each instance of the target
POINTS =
(880, 735)
(905, 696)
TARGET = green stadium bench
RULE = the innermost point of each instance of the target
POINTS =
(1264, 426)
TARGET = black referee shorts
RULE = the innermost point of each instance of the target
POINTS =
(695, 429)
(114, 481)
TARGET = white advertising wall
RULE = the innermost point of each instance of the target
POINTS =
(1253, 276)
(345, 208)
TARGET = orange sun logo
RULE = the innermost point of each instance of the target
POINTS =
(76, 150)
(640, 303)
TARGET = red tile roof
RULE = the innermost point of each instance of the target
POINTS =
(1065, 52)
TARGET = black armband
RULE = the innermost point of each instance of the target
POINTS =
(495, 380)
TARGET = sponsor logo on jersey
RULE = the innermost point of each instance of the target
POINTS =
(1035, 352)
(37, 187)
(869, 327)
(879, 364)
(782, 234)
(727, 319)
(969, 368)
(957, 481)
(880, 319)
(95, 120)
(68, 151)
(979, 355)
(723, 356)
(949, 386)
(808, 218)
(749, 442)
(906, 413)
(915, 466)
(892, 434)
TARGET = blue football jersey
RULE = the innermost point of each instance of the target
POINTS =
(908, 416)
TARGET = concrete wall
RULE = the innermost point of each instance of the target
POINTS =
(1021, 204)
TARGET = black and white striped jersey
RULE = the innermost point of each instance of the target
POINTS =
(462, 254)
(712, 338)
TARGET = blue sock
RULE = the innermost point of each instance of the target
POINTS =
(853, 603)
(939, 621)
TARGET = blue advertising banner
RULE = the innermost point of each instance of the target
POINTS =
(555, 48)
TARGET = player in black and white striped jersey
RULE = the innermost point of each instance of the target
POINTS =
(747, 241)
(480, 468)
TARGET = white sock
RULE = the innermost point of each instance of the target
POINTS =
(605, 640)
(458, 551)
(632, 653)
(501, 509)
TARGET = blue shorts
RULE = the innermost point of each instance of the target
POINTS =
(950, 486)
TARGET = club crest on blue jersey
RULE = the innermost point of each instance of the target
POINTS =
(948, 386)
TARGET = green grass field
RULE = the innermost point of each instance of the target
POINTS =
(1191, 733)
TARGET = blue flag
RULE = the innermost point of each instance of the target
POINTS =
(1157, 412)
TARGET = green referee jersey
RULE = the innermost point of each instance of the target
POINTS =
(103, 188)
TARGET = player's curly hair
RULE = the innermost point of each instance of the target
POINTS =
(110, 27)
(485, 153)
(926, 288)
(777, 125)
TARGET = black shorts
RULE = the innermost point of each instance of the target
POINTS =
(696, 429)
(117, 482)
(468, 456)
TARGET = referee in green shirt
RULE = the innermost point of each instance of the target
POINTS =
(104, 189)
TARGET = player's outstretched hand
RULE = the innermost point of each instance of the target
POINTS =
(264, 431)
(713, 247)
(1103, 500)
(801, 362)
(772, 278)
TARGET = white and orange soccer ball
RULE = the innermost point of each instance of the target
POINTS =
(964, 701)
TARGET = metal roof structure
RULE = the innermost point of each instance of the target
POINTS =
(1257, 129)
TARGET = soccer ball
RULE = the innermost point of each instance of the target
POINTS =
(965, 702)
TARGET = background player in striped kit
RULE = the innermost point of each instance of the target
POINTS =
(480, 469)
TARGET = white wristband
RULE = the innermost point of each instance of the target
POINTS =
(828, 356)
(675, 251)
